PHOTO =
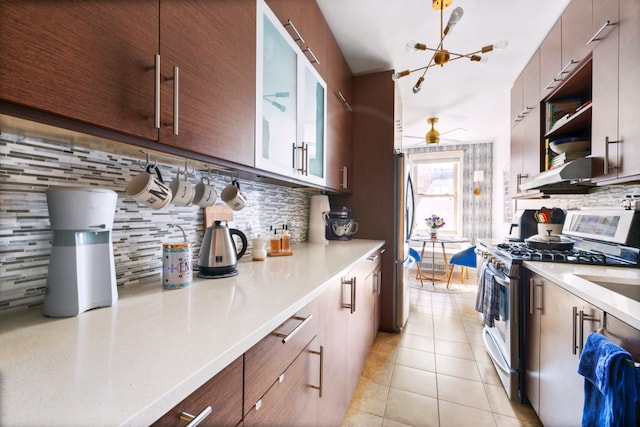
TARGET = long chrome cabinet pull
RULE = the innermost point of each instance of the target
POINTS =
(597, 34)
(156, 107)
(582, 317)
(287, 337)
(176, 102)
(295, 30)
(532, 286)
(314, 58)
(194, 420)
(352, 283)
(606, 155)
(321, 354)
(345, 175)
(574, 333)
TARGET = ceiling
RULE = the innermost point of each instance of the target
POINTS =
(468, 96)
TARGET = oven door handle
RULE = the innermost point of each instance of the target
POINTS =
(494, 352)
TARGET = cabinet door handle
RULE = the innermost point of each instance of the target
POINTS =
(565, 69)
(156, 107)
(321, 354)
(344, 102)
(305, 161)
(597, 34)
(314, 58)
(194, 420)
(551, 83)
(519, 181)
(295, 30)
(344, 183)
(352, 283)
(582, 316)
(574, 334)
(287, 337)
(176, 101)
(532, 286)
(606, 155)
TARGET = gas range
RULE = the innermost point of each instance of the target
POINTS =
(521, 252)
(606, 237)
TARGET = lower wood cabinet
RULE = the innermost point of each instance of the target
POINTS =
(268, 359)
(303, 373)
(557, 323)
(222, 393)
(291, 400)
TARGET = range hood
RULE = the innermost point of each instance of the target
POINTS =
(563, 178)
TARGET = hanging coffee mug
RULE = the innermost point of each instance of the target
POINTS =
(182, 189)
(205, 194)
(150, 190)
(232, 196)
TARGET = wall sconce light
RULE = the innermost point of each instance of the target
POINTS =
(478, 177)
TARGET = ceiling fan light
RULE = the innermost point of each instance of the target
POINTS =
(432, 136)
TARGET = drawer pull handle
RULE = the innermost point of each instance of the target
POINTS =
(287, 337)
(194, 420)
(321, 354)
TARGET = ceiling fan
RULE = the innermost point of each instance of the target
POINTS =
(433, 136)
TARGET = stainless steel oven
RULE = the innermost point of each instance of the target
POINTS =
(501, 317)
(606, 237)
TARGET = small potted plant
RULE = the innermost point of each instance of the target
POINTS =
(434, 222)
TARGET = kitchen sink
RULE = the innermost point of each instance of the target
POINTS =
(629, 287)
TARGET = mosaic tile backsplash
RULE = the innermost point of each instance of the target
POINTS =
(28, 166)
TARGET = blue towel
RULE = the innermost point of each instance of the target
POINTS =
(611, 386)
(488, 298)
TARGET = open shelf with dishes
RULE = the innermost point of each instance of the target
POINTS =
(567, 114)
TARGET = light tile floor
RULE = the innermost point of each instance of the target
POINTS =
(436, 372)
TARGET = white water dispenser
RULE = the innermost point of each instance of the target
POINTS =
(81, 272)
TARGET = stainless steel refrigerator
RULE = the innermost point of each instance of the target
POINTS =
(404, 217)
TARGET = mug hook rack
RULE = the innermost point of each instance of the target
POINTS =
(148, 163)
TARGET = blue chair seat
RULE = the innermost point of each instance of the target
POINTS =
(463, 258)
(415, 257)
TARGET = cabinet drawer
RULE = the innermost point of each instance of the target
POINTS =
(291, 400)
(223, 393)
(269, 358)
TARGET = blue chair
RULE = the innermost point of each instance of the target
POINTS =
(415, 257)
(464, 258)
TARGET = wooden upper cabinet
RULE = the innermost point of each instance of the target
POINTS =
(604, 89)
(531, 82)
(629, 86)
(307, 19)
(516, 101)
(551, 59)
(213, 45)
(577, 29)
(86, 61)
(339, 120)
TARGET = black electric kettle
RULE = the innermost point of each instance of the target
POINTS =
(218, 253)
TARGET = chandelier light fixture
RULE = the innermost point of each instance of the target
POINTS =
(440, 55)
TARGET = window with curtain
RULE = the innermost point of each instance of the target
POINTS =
(437, 178)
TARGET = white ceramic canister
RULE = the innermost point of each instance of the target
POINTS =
(177, 271)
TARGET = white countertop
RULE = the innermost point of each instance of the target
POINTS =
(129, 364)
(566, 276)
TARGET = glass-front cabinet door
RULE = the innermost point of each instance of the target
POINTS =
(291, 105)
